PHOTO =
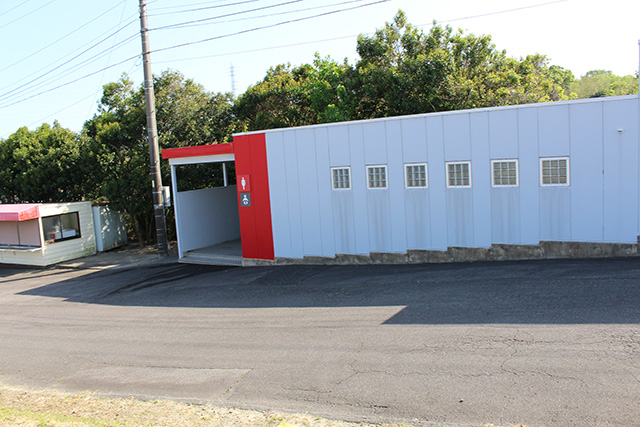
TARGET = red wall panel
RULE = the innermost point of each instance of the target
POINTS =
(255, 221)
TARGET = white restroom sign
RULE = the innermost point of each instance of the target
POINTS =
(244, 183)
(245, 199)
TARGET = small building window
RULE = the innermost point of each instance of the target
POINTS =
(554, 171)
(459, 174)
(416, 175)
(377, 177)
(61, 227)
(505, 173)
(341, 178)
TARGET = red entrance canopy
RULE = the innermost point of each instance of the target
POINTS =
(20, 212)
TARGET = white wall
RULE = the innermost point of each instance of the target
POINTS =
(599, 205)
(110, 228)
(55, 252)
(207, 217)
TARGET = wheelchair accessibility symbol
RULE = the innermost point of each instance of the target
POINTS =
(245, 199)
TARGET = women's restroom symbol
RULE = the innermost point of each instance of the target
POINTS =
(244, 182)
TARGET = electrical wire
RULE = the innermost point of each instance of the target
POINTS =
(67, 55)
(109, 57)
(202, 8)
(288, 12)
(63, 37)
(184, 24)
(27, 14)
(258, 49)
(253, 50)
(267, 26)
(3, 95)
(188, 5)
(7, 96)
(39, 121)
(70, 82)
(499, 12)
(13, 8)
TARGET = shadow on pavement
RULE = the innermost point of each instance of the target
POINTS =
(529, 292)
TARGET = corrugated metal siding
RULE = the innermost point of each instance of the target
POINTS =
(599, 205)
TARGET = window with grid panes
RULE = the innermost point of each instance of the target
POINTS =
(554, 171)
(459, 174)
(416, 175)
(505, 173)
(376, 176)
(341, 178)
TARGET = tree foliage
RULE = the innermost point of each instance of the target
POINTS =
(597, 83)
(401, 70)
(44, 165)
(186, 114)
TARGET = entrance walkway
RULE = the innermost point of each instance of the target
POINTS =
(227, 253)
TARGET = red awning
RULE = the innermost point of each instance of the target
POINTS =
(200, 150)
(20, 212)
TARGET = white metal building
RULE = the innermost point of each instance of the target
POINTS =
(388, 190)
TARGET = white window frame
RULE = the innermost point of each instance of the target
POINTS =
(446, 171)
(493, 176)
(406, 176)
(348, 169)
(563, 184)
(386, 177)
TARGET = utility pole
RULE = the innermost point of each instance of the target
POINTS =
(154, 156)
(233, 81)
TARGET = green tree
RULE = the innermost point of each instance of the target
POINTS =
(597, 83)
(186, 114)
(326, 88)
(280, 100)
(402, 70)
(44, 165)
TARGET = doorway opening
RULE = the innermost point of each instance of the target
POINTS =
(206, 210)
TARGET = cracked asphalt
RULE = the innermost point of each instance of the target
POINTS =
(539, 343)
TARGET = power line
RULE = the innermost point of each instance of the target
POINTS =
(63, 74)
(268, 26)
(188, 5)
(184, 24)
(253, 50)
(70, 53)
(288, 12)
(13, 8)
(63, 37)
(4, 95)
(70, 82)
(482, 15)
(35, 122)
(110, 52)
(26, 14)
(259, 49)
(202, 8)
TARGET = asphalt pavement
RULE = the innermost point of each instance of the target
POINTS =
(539, 343)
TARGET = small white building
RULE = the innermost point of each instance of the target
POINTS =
(42, 234)
(526, 181)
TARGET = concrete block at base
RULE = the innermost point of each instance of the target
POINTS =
(497, 252)
(388, 258)
(588, 250)
(345, 259)
(502, 252)
(251, 262)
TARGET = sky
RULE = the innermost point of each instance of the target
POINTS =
(57, 54)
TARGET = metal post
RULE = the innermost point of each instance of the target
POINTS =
(224, 174)
(154, 156)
